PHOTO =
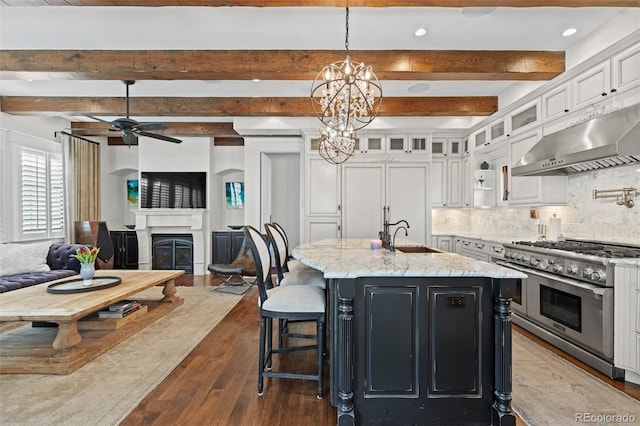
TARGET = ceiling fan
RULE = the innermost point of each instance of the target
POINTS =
(130, 128)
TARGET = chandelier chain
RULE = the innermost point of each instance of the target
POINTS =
(346, 32)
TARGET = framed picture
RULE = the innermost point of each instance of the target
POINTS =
(235, 194)
(132, 192)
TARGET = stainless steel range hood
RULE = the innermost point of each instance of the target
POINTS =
(605, 141)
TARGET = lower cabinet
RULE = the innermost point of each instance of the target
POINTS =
(443, 242)
(125, 249)
(225, 245)
(626, 336)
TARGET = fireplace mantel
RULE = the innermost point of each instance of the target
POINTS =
(172, 221)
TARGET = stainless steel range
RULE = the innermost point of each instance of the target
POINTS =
(567, 298)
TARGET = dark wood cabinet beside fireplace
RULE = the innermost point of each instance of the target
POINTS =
(225, 245)
(125, 249)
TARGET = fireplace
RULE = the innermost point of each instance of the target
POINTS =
(172, 251)
(175, 224)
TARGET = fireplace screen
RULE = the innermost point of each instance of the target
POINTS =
(172, 251)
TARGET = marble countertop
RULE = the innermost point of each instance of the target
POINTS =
(353, 258)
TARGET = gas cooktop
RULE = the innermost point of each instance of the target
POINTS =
(587, 247)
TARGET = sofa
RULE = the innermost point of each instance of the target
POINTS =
(24, 265)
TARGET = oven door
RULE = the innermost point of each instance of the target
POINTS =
(577, 311)
(519, 300)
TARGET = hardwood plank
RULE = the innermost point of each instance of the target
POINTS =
(233, 107)
(277, 64)
(328, 3)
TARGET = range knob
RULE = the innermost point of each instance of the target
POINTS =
(557, 268)
(519, 256)
(525, 259)
(599, 275)
(572, 269)
(586, 273)
(534, 261)
(544, 264)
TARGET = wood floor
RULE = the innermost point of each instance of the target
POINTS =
(217, 383)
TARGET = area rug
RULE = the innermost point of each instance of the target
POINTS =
(548, 390)
(108, 388)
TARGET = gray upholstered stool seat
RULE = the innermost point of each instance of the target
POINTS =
(307, 276)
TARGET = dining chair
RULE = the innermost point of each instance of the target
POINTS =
(291, 264)
(304, 276)
(284, 303)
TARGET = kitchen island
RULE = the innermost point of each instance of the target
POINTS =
(415, 338)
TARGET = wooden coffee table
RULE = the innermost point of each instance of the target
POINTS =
(64, 349)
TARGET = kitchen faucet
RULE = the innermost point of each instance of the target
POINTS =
(406, 234)
(385, 235)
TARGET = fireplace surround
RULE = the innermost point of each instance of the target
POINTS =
(193, 222)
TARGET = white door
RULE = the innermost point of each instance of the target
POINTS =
(407, 199)
(265, 189)
(363, 198)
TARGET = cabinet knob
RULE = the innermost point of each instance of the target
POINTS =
(614, 90)
(604, 93)
(566, 110)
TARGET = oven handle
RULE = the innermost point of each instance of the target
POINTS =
(595, 289)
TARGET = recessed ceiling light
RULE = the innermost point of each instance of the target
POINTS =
(418, 88)
(256, 80)
(569, 32)
(421, 32)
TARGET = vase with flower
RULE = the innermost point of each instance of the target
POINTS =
(87, 258)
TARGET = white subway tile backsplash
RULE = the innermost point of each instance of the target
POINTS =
(582, 217)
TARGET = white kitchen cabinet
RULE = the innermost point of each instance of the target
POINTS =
(523, 118)
(625, 69)
(454, 182)
(369, 187)
(592, 85)
(466, 182)
(371, 144)
(497, 130)
(323, 188)
(402, 144)
(444, 242)
(446, 182)
(556, 102)
(322, 228)
(446, 146)
(534, 189)
(626, 335)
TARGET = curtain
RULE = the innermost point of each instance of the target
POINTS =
(82, 172)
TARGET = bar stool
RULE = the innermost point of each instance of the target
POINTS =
(291, 264)
(284, 303)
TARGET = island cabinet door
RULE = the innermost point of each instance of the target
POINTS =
(423, 351)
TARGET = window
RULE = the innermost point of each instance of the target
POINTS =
(41, 194)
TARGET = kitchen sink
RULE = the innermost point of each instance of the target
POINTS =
(411, 249)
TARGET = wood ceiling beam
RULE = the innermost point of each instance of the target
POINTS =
(277, 64)
(241, 107)
(330, 3)
(222, 130)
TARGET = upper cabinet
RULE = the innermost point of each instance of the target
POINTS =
(625, 69)
(403, 144)
(556, 102)
(592, 85)
(524, 118)
(442, 146)
(371, 144)
(323, 188)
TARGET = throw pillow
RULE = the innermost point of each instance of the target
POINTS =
(23, 258)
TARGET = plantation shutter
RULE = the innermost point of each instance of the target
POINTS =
(33, 191)
(56, 193)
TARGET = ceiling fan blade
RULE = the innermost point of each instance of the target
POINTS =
(91, 117)
(143, 127)
(157, 136)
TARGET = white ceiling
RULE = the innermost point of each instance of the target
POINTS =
(284, 28)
